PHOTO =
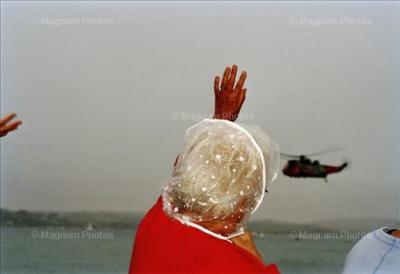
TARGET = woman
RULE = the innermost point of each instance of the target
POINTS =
(218, 181)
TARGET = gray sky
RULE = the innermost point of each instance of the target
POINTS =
(101, 86)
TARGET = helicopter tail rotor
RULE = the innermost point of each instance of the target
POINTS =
(346, 163)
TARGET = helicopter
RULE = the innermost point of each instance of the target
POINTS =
(302, 166)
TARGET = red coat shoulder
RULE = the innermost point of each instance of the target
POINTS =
(165, 245)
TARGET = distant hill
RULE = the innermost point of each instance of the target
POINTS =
(333, 225)
(359, 224)
(271, 226)
(130, 220)
(70, 219)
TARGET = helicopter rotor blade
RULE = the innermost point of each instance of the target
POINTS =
(288, 156)
(285, 156)
(327, 150)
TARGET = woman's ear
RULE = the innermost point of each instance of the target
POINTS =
(239, 212)
(241, 203)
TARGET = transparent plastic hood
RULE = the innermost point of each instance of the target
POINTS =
(221, 176)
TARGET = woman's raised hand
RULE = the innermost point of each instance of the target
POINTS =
(229, 97)
(6, 125)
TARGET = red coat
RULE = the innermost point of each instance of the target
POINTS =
(165, 245)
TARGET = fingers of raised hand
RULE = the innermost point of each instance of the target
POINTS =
(4, 129)
(7, 118)
(242, 79)
(232, 77)
(216, 85)
(225, 78)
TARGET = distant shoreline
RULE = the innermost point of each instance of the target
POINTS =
(126, 220)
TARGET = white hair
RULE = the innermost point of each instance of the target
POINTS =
(220, 170)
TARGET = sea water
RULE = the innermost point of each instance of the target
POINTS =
(56, 250)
